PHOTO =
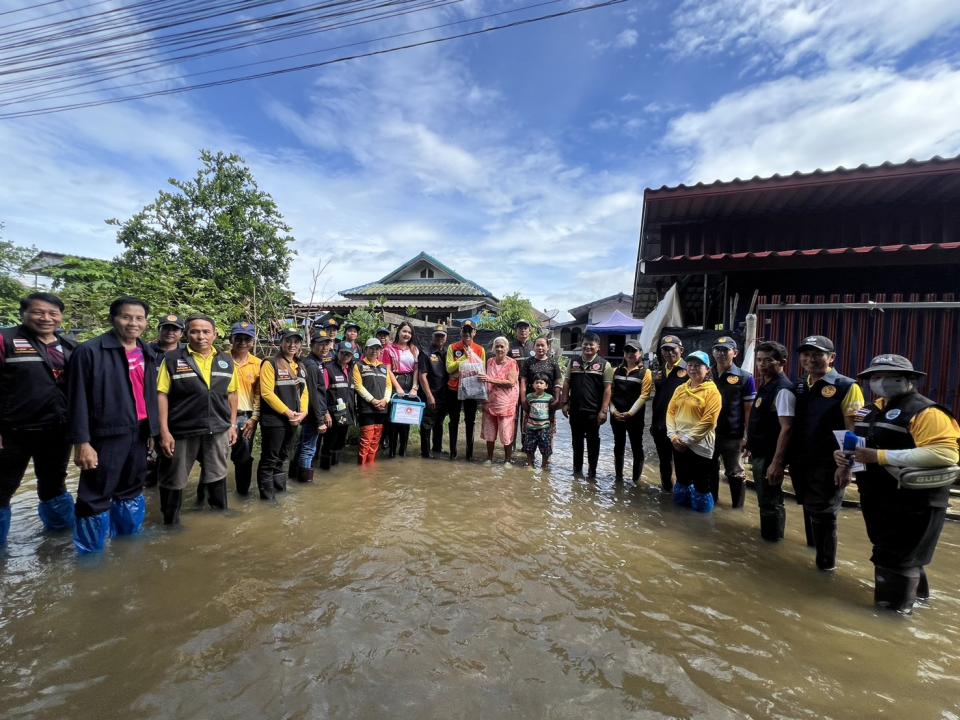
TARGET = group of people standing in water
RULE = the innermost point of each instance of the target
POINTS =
(135, 414)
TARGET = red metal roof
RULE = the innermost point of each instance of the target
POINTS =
(921, 253)
(936, 179)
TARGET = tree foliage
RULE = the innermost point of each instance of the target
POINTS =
(13, 259)
(216, 241)
(368, 319)
(513, 308)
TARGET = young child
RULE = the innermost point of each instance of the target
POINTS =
(537, 431)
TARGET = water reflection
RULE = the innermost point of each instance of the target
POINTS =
(429, 589)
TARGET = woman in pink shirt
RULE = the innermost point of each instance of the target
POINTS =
(500, 411)
(402, 355)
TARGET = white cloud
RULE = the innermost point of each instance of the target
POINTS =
(626, 39)
(848, 117)
(836, 32)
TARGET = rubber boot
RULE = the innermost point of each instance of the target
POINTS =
(57, 514)
(334, 459)
(280, 482)
(5, 516)
(637, 472)
(294, 467)
(127, 516)
(825, 541)
(469, 453)
(701, 502)
(681, 494)
(923, 586)
(393, 439)
(618, 466)
(243, 476)
(326, 462)
(402, 444)
(808, 528)
(90, 533)
(201, 491)
(895, 590)
(305, 475)
(770, 527)
(715, 487)
(170, 502)
(265, 485)
(454, 435)
(217, 495)
(736, 492)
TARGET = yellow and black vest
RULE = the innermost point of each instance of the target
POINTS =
(194, 408)
(375, 380)
(288, 387)
(627, 387)
(819, 412)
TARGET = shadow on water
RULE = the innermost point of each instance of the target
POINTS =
(425, 588)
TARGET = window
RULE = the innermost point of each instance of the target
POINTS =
(426, 273)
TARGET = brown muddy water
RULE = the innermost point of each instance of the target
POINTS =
(430, 589)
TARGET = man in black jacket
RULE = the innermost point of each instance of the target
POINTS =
(317, 421)
(33, 411)
(112, 392)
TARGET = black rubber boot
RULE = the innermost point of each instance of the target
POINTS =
(618, 466)
(305, 475)
(402, 445)
(243, 475)
(770, 529)
(265, 485)
(280, 482)
(294, 467)
(325, 462)
(335, 459)
(715, 486)
(923, 587)
(201, 491)
(736, 492)
(895, 590)
(217, 495)
(170, 501)
(825, 541)
(469, 454)
(808, 528)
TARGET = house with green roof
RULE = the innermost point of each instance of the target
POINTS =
(438, 293)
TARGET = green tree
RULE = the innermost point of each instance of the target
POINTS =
(13, 259)
(368, 319)
(217, 231)
(513, 307)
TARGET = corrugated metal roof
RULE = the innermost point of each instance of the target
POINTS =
(465, 304)
(413, 288)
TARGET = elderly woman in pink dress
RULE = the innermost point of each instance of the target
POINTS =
(500, 411)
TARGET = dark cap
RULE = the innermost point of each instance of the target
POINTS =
(521, 322)
(631, 345)
(440, 329)
(332, 322)
(290, 333)
(891, 364)
(725, 341)
(243, 328)
(816, 342)
(171, 319)
(346, 347)
(382, 331)
(468, 324)
(351, 325)
(321, 336)
(670, 341)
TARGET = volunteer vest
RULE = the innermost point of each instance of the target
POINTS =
(30, 396)
(374, 379)
(819, 412)
(586, 384)
(341, 398)
(627, 388)
(194, 408)
(521, 352)
(730, 384)
(436, 365)
(288, 387)
(764, 428)
(889, 429)
(664, 386)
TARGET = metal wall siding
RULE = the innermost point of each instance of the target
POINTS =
(930, 338)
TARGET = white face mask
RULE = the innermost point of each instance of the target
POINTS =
(890, 386)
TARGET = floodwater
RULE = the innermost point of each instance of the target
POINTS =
(429, 589)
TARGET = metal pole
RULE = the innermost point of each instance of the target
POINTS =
(704, 322)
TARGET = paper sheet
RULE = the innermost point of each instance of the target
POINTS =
(861, 442)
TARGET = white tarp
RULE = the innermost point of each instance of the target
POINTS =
(666, 314)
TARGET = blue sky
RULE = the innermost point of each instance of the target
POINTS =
(518, 158)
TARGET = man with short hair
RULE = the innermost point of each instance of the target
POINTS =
(341, 405)
(671, 374)
(33, 411)
(169, 335)
(113, 412)
(522, 347)
(198, 416)
(433, 383)
(826, 402)
(768, 437)
(243, 337)
(586, 392)
(460, 353)
(318, 421)
(738, 390)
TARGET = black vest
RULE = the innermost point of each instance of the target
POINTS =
(31, 396)
(664, 387)
(730, 384)
(341, 398)
(586, 384)
(764, 428)
(435, 365)
(889, 429)
(288, 387)
(627, 387)
(194, 408)
(521, 352)
(374, 378)
(819, 413)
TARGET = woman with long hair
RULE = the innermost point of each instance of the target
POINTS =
(403, 357)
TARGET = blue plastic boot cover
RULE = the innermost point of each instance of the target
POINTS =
(90, 533)
(701, 502)
(126, 516)
(57, 514)
(4, 525)
(681, 495)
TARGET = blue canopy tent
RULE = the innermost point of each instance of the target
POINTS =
(617, 324)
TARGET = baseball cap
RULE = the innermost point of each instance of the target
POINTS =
(726, 342)
(351, 325)
(321, 336)
(521, 322)
(373, 342)
(700, 356)
(670, 341)
(468, 324)
(440, 329)
(382, 331)
(243, 328)
(171, 319)
(346, 347)
(289, 333)
(892, 364)
(631, 345)
(816, 342)
(332, 323)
